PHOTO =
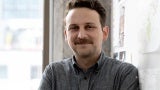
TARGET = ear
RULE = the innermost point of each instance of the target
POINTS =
(65, 35)
(105, 32)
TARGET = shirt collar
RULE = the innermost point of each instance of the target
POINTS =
(100, 60)
(98, 64)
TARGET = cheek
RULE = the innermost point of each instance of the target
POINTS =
(70, 39)
(98, 36)
(98, 39)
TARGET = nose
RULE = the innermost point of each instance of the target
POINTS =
(82, 34)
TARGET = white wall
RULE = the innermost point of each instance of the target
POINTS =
(142, 39)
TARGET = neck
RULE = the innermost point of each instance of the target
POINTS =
(87, 62)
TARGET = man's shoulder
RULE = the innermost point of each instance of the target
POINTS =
(60, 64)
(117, 64)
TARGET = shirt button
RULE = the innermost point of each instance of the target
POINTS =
(85, 78)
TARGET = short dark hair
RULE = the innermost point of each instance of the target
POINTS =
(91, 4)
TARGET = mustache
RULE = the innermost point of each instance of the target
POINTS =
(83, 41)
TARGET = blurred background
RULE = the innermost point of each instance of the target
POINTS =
(21, 43)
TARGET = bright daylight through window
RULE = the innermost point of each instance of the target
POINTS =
(21, 42)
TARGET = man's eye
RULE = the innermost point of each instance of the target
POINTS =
(89, 27)
(73, 28)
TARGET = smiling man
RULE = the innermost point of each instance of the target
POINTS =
(85, 35)
(89, 68)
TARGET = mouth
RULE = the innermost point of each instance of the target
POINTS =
(83, 42)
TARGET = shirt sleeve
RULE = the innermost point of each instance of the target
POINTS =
(46, 81)
(129, 78)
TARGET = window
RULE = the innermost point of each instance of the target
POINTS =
(3, 72)
(21, 44)
(35, 72)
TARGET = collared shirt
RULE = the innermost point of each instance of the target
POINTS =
(106, 74)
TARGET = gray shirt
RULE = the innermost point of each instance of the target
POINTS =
(106, 74)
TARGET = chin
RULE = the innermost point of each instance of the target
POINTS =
(84, 53)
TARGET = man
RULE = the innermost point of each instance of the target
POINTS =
(89, 68)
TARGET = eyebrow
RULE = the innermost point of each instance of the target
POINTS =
(72, 24)
(88, 23)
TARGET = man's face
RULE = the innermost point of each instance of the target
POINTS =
(84, 32)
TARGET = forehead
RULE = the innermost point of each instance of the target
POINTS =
(82, 15)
